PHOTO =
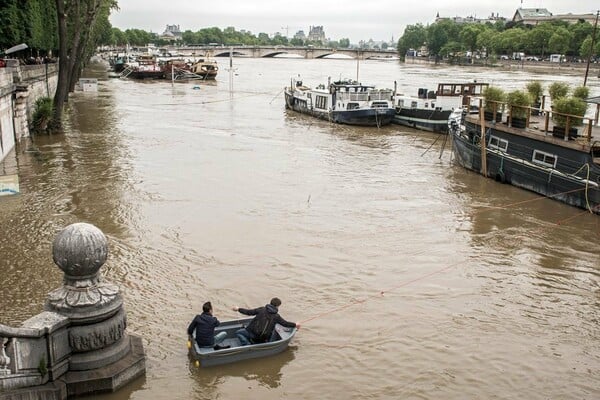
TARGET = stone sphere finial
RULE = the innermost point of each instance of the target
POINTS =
(80, 250)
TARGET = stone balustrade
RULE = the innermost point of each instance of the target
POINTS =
(26, 359)
(79, 345)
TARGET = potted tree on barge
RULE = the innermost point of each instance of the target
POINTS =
(566, 114)
(518, 104)
(494, 97)
(536, 91)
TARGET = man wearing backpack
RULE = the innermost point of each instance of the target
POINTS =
(260, 329)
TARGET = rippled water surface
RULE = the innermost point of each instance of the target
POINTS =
(413, 277)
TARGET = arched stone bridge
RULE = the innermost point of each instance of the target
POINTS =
(272, 51)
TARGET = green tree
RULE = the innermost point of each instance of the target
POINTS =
(451, 49)
(189, 37)
(102, 33)
(486, 40)
(76, 20)
(469, 34)
(279, 40)
(118, 37)
(437, 37)
(579, 32)
(539, 37)
(210, 35)
(585, 50)
(512, 40)
(560, 40)
(439, 34)
(345, 43)
(263, 39)
(35, 19)
(296, 42)
(414, 37)
(12, 27)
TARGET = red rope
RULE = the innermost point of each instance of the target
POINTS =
(447, 267)
(537, 198)
(381, 293)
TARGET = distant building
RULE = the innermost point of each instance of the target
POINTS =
(300, 35)
(531, 16)
(493, 18)
(316, 34)
(534, 16)
(172, 33)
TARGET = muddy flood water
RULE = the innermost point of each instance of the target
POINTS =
(412, 277)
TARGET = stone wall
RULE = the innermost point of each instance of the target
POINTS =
(41, 81)
(7, 133)
(20, 87)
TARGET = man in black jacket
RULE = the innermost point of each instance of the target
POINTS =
(204, 325)
(260, 329)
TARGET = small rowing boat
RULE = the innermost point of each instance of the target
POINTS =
(208, 356)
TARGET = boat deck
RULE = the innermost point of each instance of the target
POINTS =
(541, 128)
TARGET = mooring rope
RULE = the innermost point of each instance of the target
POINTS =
(381, 293)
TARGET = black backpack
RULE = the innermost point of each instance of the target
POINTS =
(263, 326)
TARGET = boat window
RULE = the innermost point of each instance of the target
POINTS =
(352, 106)
(379, 104)
(426, 105)
(400, 103)
(497, 143)
(413, 104)
(321, 102)
(543, 158)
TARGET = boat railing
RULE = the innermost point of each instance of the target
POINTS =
(345, 96)
(538, 116)
(380, 94)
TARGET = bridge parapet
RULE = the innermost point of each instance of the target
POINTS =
(270, 51)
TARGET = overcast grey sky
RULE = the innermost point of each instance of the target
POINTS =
(353, 19)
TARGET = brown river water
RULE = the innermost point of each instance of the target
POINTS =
(413, 277)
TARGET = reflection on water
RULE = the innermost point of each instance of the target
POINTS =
(265, 374)
(210, 195)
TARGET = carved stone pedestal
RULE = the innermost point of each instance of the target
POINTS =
(111, 377)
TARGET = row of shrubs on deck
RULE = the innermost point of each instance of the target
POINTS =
(562, 103)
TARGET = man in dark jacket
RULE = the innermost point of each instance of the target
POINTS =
(204, 325)
(260, 329)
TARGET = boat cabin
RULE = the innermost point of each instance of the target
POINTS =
(146, 59)
(466, 90)
(351, 95)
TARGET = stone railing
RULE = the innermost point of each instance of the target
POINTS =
(26, 359)
(31, 73)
